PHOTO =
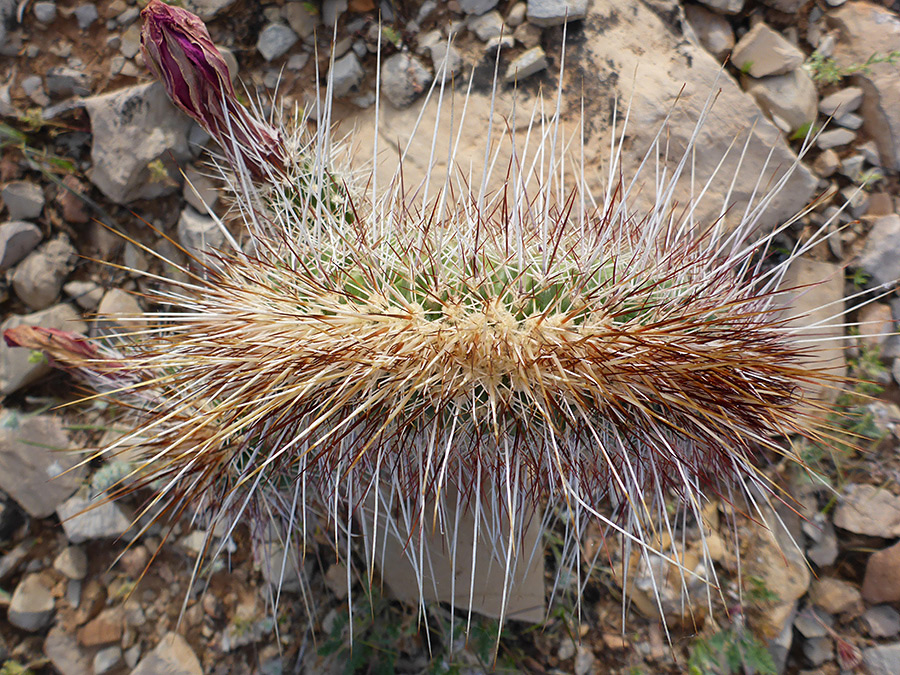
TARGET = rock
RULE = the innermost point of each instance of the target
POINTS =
(104, 629)
(852, 166)
(876, 323)
(556, 12)
(823, 550)
(86, 15)
(869, 510)
(584, 661)
(299, 18)
(780, 646)
(136, 134)
(86, 294)
(882, 659)
(84, 519)
(487, 26)
(199, 235)
(24, 200)
(72, 562)
(45, 12)
(881, 621)
(199, 190)
(403, 78)
(818, 650)
(63, 651)
(725, 6)
(207, 9)
(880, 257)
(33, 471)
(332, 10)
(31, 607)
(71, 200)
(504, 42)
(477, 6)
(827, 163)
(173, 656)
(792, 97)
(38, 279)
(107, 659)
(813, 622)
(346, 74)
(275, 40)
(835, 138)
(881, 582)
(444, 52)
(850, 121)
(846, 100)
(62, 81)
(516, 16)
(527, 64)
(818, 302)
(34, 89)
(120, 312)
(528, 35)
(763, 52)
(17, 239)
(866, 29)
(836, 596)
(18, 367)
(713, 30)
(131, 42)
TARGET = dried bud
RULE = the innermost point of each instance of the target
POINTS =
(179, 51)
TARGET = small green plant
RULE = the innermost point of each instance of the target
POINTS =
(859, 278)
(732, 651)
(392, 35)
(745, 69)
(868, 178)
(807, 129)
(758, 593)
(14, 668)
(828, 71)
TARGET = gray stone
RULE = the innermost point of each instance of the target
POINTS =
(836, 596)
(45, 12)
(792, 97)
(31, 607)
(275, 40)
(487, 26)
(850, 121)
(869, 510)
(844, 100)
(107, 659)
(86, 294)
(18, 367)
(332, 10)
(477, 6)
(207, 9)
(880, 257)
(346, 74)
(134, 128)
(527, 64)
(882, 659)
(199, 190)
(446, 60)
(84, 519)
(198, 233)
(38, 279)
(555, 12)
(86, 15)
(763, 52)
(712, 29)
(64, 652)
(881, 621)
(173, 656)
(131, 42)
(24, 200)
(33, 87)
(72, 562)
(297, 61)
(813, 622)
(34, 469)
(786, 6)
(823, 548)
(818, 650)
(584, 660)
(725, 6)
(120, 312)
(865, 30)
(299, 18)
(855, 199)
(528, 35)
(17, 239)
(835, 138)
(403, 79)
(128, 17)
(62, 81)
(852, 166)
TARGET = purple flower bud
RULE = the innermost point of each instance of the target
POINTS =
(179, 51)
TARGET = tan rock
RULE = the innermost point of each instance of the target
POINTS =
(882, 579)
(106, 628)
(836, 596)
